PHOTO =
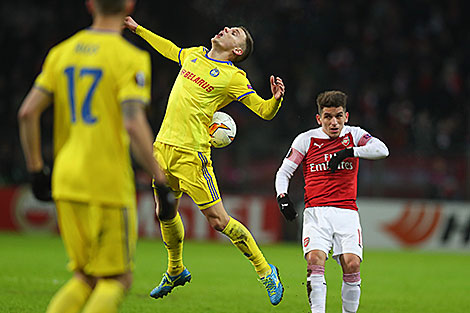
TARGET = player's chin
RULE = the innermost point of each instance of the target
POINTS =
(334, 133)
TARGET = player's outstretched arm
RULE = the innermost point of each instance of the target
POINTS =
(163, 46)
(266, 109)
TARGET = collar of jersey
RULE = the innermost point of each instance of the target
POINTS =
(106, 31)
(207, 51)
(343, 132)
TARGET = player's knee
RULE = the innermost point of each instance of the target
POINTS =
(164, 215)
(217, 218)
(166, 204)
(315, 258)
(217, 223)
(352, 265)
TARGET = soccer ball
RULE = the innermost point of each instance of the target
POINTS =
(222, 130)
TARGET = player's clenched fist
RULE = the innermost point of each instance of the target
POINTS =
(338, 158)
(130, 24)
(286, 206)
(41, 184)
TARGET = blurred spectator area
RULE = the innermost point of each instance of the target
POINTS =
(404, 64)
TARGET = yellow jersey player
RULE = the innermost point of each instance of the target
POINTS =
(98, 84)
(207, 81)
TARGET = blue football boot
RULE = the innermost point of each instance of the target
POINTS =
(169, 282)
(273, 285)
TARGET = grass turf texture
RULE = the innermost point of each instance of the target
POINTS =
(32, 268)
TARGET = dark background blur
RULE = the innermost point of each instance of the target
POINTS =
(404, 64)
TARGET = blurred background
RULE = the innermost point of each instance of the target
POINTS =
(404, 64)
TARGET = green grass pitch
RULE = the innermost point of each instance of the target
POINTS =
(32, 268)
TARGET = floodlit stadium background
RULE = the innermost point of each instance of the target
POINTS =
(404, 64)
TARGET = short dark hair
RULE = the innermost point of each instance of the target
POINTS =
(110, 6)
(331, 99)
(248, 47)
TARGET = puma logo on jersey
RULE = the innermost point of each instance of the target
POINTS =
(318, 145)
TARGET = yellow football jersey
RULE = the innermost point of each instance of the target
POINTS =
(203, 86)
(89, 76)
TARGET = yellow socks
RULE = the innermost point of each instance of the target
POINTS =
(70, 298)
(173, 235)
(244, 241)
(106, 297)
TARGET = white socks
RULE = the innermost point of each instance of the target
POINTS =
(316, 288)
(351, 292)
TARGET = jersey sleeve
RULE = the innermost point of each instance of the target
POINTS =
(185, 52)
(366, 146)
(290, 164)
(240, 89)
(46, 80)
(301, 144)
(360, 136)
(136, 82)
(164, 46)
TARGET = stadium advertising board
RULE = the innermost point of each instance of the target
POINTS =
(424, 224)
(20, 211)
(387, 224)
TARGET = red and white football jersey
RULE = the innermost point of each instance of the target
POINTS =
(314, 149)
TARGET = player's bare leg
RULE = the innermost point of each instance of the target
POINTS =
(351, 290)
(244, 241)
(316, 283)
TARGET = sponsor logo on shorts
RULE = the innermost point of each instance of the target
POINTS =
(306, 241)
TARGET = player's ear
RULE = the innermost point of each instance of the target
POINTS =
(237, 51)
(347, 117)
(318, 119)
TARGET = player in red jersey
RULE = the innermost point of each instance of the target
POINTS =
(329, 156)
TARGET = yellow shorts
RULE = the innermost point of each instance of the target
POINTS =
(190, 172)
(100, 240)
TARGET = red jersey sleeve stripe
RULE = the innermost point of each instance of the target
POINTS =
(295, 156)
(364, 139)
